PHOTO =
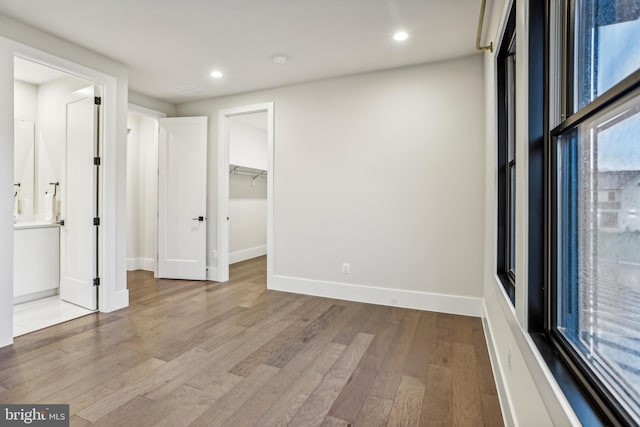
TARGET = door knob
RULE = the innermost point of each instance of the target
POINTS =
(200, 219)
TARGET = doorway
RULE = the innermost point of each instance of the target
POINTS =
(142, 188)
(166, 195)
(245, 187)
(55, 202)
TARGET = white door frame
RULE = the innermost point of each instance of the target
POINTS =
(110, 296)
(222, 222)
(146, 112)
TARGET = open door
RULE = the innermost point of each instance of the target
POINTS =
(182, 198)
(79, 233)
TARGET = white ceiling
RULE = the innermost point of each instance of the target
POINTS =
(171, 46)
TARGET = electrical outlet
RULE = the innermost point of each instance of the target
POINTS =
(214, 254)
(346, 268)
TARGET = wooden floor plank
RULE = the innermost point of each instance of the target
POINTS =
(284, 409)
(466, 402)
(421, 347)
(349, 403)
(235, 353)
(224, 408)
(436, 403)
(408, 403)
(375, 412)
(335, 422)
(388, 378)
(319, 403)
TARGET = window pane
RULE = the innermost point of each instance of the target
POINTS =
(607, 45)
(599, 246)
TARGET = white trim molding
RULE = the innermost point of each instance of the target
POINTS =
(453, 304)
(222, 244)
(144, 111)
(245, 254)
(212, 274)
(147, 264)
(117, 300)
(506, 405)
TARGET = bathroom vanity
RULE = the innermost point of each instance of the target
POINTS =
(36, 260)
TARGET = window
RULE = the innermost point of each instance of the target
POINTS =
(506, 267)
(594, 304)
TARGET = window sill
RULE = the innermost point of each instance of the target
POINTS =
(582, 405)
(508, 286)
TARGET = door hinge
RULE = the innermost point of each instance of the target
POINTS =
(96, 281)
(96, 220)
(96, 161)
(97, 100)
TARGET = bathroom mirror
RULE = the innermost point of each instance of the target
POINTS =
(24, 166)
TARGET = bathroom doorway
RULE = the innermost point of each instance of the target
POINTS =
(56, 206)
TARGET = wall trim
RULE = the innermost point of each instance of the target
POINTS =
(453, 304)
(506, 404)
(35, 296)
(245, 254)
(116, 301)
(555, 401)
(144, 111)
(212, 274)
(147, 264)
(222, 208)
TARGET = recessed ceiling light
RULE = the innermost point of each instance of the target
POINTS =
(216, 74)
(400, 36)
(280, 59)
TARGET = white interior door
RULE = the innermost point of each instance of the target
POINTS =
(182, 198)
(78, 236)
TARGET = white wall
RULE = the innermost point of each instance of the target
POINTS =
(25, 103)
(248, 142)
(18, 38)
(380, 170)
(247, 218)
(142, 192)
(529, 395)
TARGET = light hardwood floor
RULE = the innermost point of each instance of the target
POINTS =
(235, 354)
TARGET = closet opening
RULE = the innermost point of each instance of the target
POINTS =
(245, 188)
(56, 206)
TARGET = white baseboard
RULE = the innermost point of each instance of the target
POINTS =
(498, 373)
(468, 306)
(212, 274)
(147, 264)
(245, 254)
(36, 295)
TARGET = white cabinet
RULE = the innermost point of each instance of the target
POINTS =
(36, 261)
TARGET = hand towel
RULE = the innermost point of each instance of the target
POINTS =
(49, 206)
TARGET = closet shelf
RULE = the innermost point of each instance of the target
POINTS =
(243, 170)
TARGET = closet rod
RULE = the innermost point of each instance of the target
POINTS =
(248, 173)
